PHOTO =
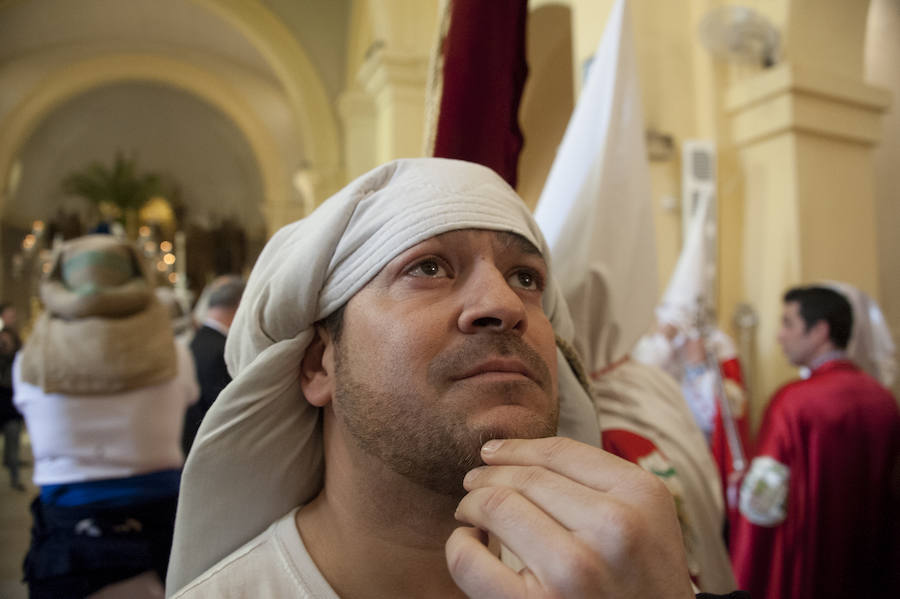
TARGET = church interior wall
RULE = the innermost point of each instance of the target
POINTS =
(882, 58)
(548, 97)
(326, 43)
(686, 95)
(176, 133)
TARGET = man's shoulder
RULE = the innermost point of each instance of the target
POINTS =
(795, 388)
(821, 377)
(840, 380)
(797, 398)
(207, 332)
(847, 376)
(205, 338)
(258, 568)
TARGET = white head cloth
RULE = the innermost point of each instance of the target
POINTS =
(870, 346)
(258, 453)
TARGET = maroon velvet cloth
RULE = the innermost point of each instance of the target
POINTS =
(839, 433)
(484, 73)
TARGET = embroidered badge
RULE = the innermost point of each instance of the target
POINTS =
(764, 492)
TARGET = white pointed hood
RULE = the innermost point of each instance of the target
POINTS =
(679, 304)
(595, 209)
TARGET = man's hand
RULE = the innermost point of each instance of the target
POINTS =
(584, 523)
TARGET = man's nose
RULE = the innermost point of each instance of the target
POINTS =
(490, 304)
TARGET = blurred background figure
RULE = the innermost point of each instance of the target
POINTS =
(103, 388)
(701, 357)
(220, 301)
(10, 419)
(179, 314)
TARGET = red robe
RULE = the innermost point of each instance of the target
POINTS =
(838, 433)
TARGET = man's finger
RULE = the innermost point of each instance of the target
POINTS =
(477, 571)
(580, 462)
(578, 508)
(559, 561)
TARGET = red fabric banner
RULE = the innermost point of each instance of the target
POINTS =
(483, 76)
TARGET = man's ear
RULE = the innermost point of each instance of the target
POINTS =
(317, 369)
(821, 331)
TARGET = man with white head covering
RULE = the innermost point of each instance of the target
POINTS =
(400, 337)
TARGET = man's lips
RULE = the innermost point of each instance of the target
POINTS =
(493, 358)
(498, 366)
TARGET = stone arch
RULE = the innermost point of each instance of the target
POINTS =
(73, 79)
(311, 106)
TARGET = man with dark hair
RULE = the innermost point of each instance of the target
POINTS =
(208, 349)
(816, 304)
(390, 451)
(819, 505)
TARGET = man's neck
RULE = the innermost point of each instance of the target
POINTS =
(219, 319)
(374, 533)
(825, 356)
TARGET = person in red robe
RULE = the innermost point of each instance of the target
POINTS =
(818, 511)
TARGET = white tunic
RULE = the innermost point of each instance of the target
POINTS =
(78, 438)
(274, 564)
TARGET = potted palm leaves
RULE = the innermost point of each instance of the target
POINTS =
(117, 192)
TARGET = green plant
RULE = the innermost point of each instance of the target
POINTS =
(122, 185)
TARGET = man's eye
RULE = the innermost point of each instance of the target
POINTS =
(428, 268)
(526, 279)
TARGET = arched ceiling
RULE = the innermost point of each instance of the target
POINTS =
(276, 66)
(167, 130)
(29, 26)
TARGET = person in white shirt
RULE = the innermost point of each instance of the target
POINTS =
(103, 388)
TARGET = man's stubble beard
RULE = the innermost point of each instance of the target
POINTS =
(431, 445)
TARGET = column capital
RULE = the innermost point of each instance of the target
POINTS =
(795, 98)
(385, 70)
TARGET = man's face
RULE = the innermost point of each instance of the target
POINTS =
(9, 316)
(447, 347)
(799, 344)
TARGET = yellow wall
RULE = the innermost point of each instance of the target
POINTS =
(796, 182)
(883, 69)
(548, 98)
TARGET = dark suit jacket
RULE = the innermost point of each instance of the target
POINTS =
(208, 348)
